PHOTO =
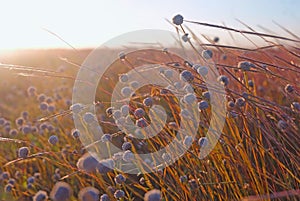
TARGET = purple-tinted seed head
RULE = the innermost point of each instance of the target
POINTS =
(126, 146)
(5, 175)
(23, 152)
(223, 79)
(142, 123)
(134, 84)
(31, 91)
(104, 197)
(203, 105)
(75, 133)
(186, 76)
(26, 129)
(240, 102)
(207, 54)
(109, 111)
(89, 118)
(289, 88)
(183, 178)
(128, 156)
(12, 181)
(185, 37)
(13, 132)
(177, 19)
(123, 78)
(30, 180)
(139, 113)
(153, 195)
(295, 106)
(120, 179)
(189, 98)
(87, 163)
(61, 191)
(40, 196)
(230, 104)
(188, 141)
(53, 139)
(245, 65)
(43, 106)
(76, 108)
(19, 121)
(41, 97)
(119, 194)
(51, 108)
(2, 121)
(106, 137)
(88, 194)
(203, 71)
(148, 102)
(8, 188)
(203, 141)
(250, 83)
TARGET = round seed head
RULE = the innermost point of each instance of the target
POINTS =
(119, 194)
(23, 152)
(148, 102)
(109, 111)
(123, 78)
(104, 197)
(126, 91)
(120, 179)
(250, 83)
(289, 88)
(40, 196)
(207, 54)
(185, 37)
(139, 113)
(230, 104)
(188, 141)
(76, 108)
(245, 65)
(295, 106)
(168, 73)
(223, 80)
(126, 146)
(53, 139)
(203, 141)
(61, 191)
(189, 98)
(240, 102)
(128, 156)
(75, 133)
(177, 19)
(206, 95)
(203, 71)
(134, 84)
(89, 118)
(106, 137)
(43, 106)
(142, 123)
(153, 195)
(186, 76)
(202, 105)
(87, 163)
(88, 194)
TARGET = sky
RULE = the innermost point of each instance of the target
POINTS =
(91, 23)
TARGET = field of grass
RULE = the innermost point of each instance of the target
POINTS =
(256, 157)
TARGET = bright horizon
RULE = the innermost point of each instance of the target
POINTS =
(91, 23)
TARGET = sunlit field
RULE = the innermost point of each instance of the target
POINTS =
(256, 157)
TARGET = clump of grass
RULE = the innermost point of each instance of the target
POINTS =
(256, 156)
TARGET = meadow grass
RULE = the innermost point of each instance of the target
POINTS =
(256, 158)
